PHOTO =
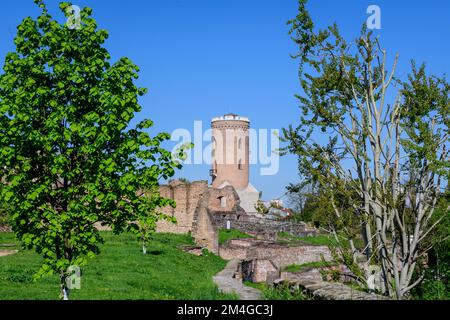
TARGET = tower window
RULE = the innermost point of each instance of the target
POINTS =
(240, 143)
(240, 165)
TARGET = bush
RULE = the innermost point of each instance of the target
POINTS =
(5, 213)
(283, 292)
(436, 268)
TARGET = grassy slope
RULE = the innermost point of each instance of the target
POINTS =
(225, 235)
(121, 271)
(320, 239)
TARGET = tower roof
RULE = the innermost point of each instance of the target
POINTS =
(230, 117)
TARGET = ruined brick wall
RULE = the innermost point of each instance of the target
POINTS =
(280, 255)
(259, 271)
(204, 230)
(225, 200)
(203, 210)
(186, 196)
(285, 256)
(259, 224)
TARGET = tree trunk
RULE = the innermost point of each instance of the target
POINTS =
(65, 291)
(367, 237)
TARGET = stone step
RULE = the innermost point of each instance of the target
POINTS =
(325, 290)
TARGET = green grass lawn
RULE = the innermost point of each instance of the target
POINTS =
(316, 264)
(120, 271)
(320, 239)
(225, 235)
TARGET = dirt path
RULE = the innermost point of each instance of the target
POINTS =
(7, 252)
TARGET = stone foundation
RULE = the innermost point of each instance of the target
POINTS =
(259, 224)
(280, 255)
(260, 270)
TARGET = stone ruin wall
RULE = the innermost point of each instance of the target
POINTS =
(258, 271)
(256, 223)
(263, 261)
(196, 206)
(203, 210)
(205, 231)
(186, 196)
(281, 255)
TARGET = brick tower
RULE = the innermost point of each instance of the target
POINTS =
(230, 157)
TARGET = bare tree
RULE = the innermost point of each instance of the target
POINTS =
(388, 161)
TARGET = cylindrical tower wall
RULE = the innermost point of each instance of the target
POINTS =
(230, 155)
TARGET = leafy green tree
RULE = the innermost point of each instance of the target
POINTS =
(68, 157)
(385, 162)
(5, 214)
(308, 204)
(261, 208)
(435, 266)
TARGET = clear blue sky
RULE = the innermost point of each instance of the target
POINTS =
(203, 58)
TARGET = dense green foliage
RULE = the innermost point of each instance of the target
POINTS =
(282, 292)
(5, 214)
(436, 265)
(69, 158)
(316, 208)
(120, 271)
(316, 211)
